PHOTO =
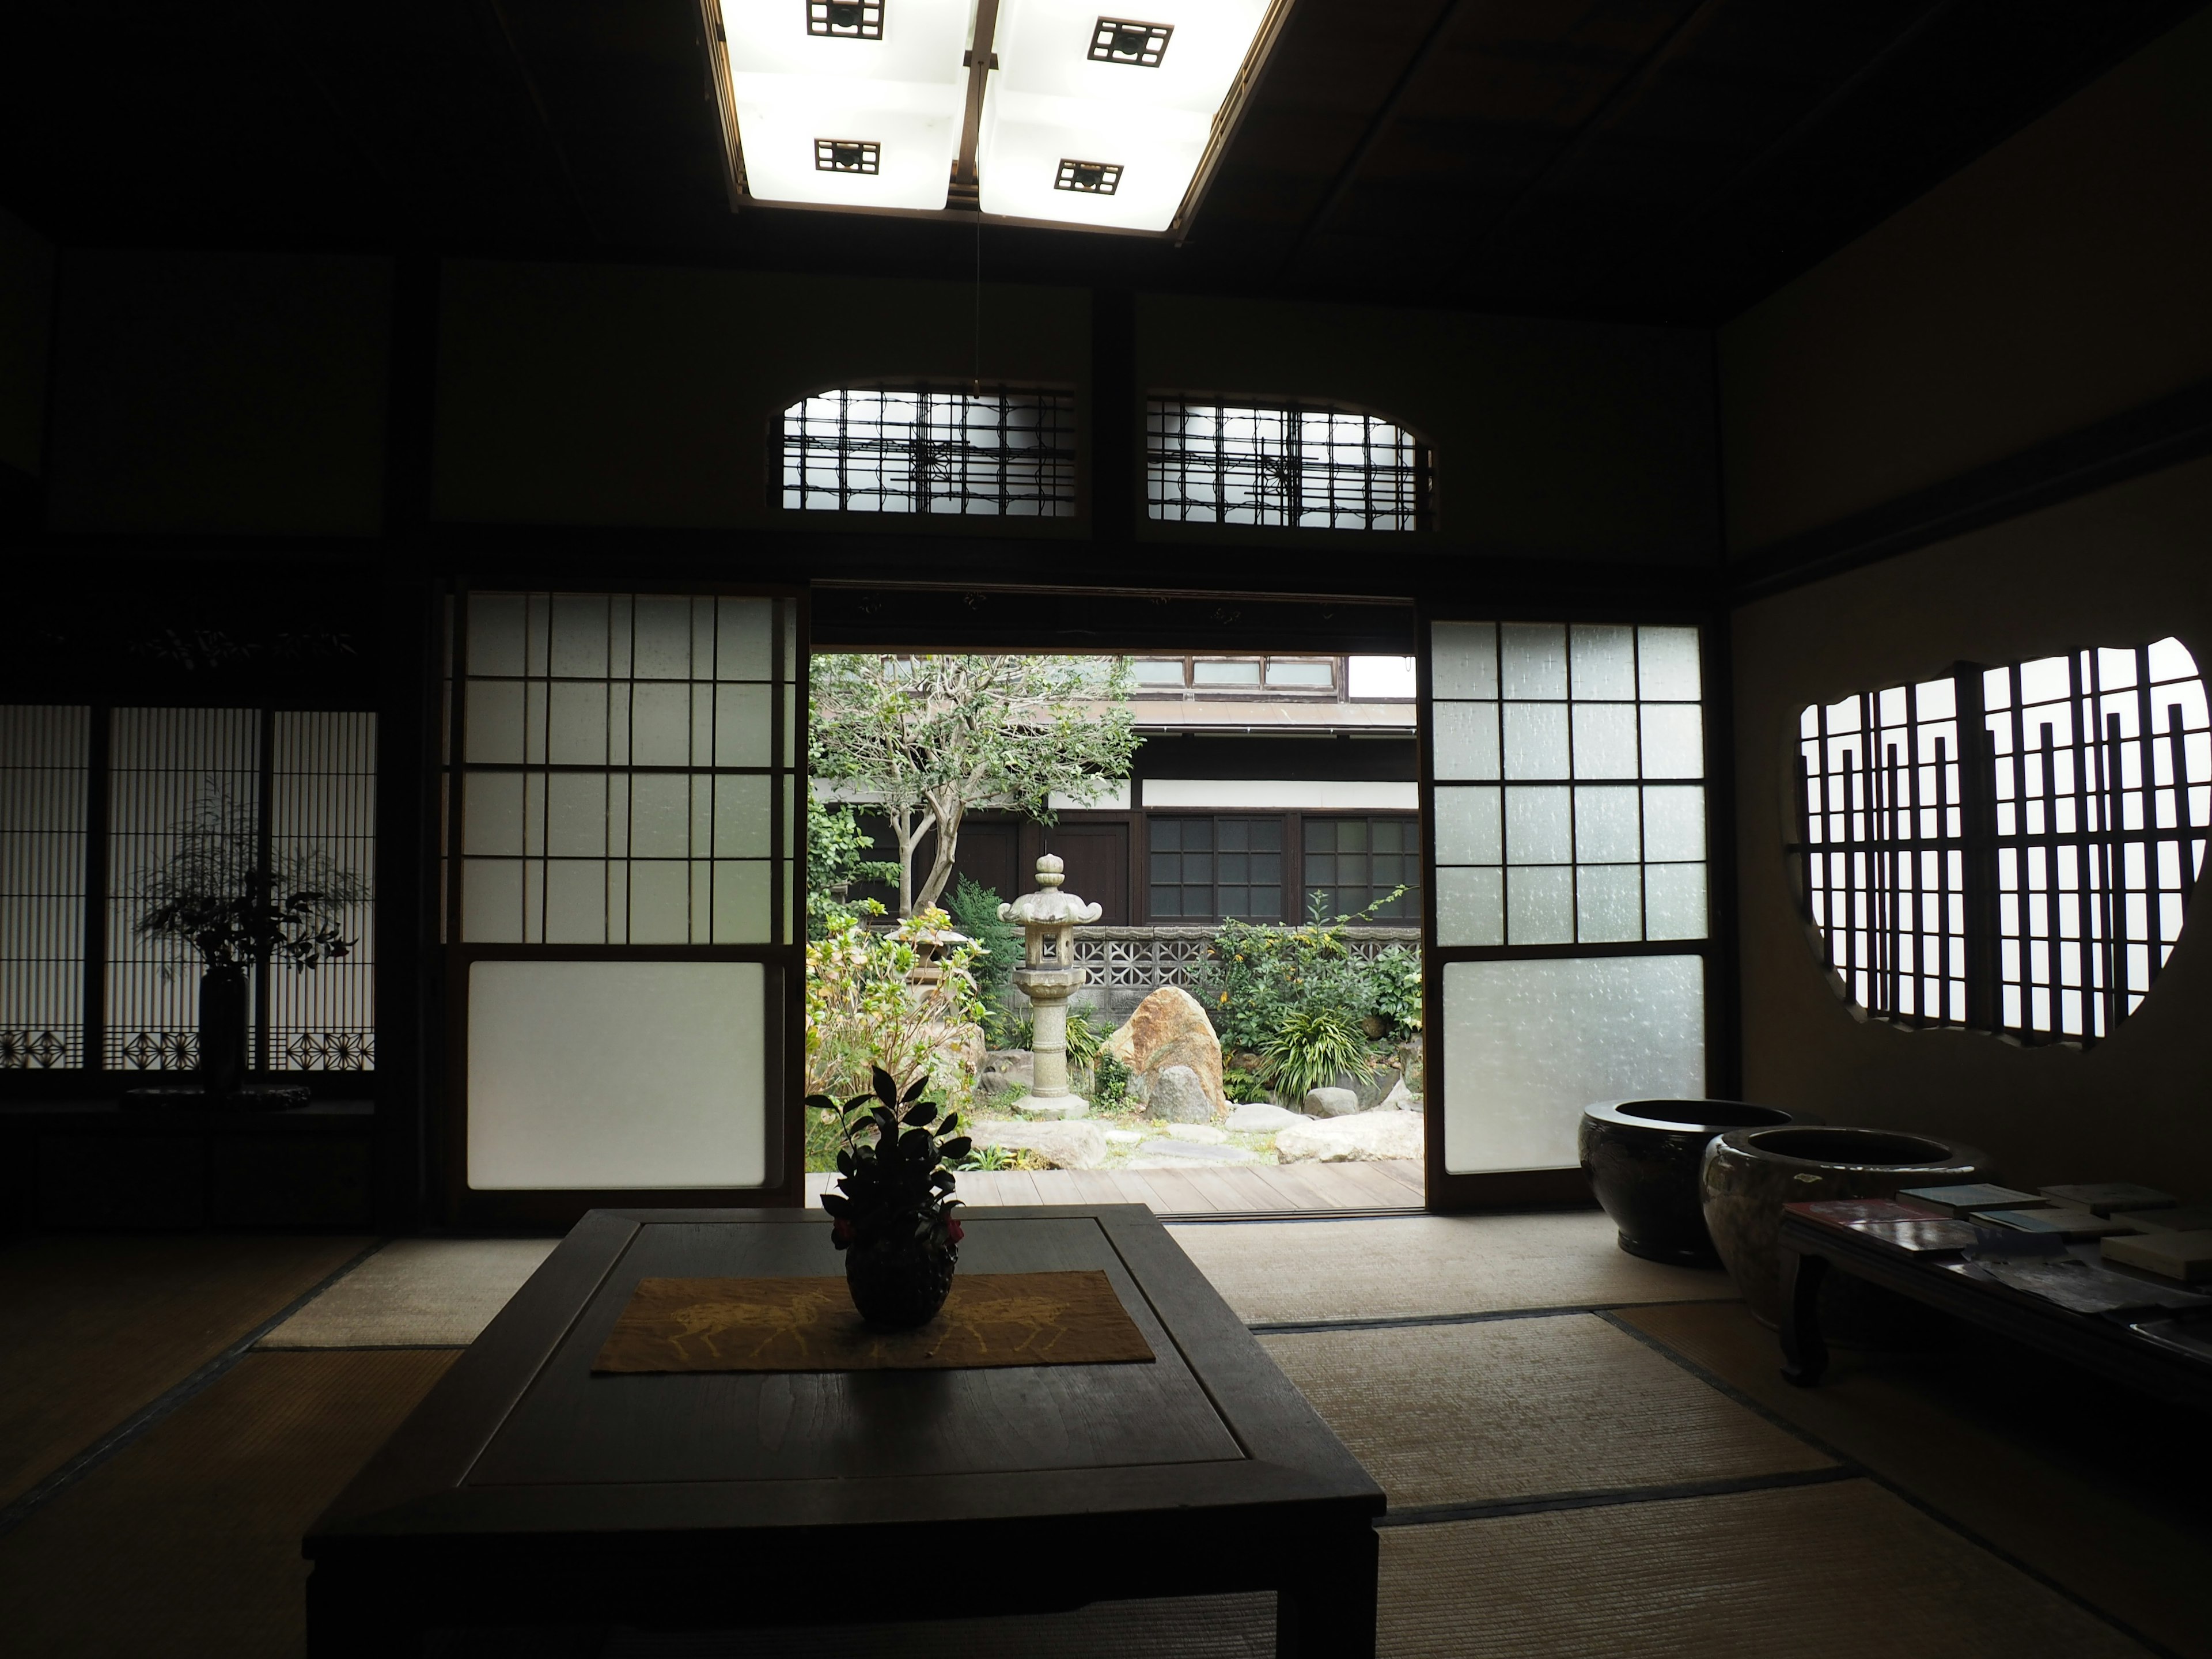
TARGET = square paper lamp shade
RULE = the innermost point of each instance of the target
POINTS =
(903, 94)
(1051, 102)
(612, 1075)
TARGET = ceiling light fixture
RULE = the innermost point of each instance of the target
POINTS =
(976, 106)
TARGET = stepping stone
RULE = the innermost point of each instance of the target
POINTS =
(1192, 1151)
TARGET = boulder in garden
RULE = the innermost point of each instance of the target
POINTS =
(1170, 1028)
(1179, 1096)
(1071, 1145)
(1331, 1103)
(1378, 1137)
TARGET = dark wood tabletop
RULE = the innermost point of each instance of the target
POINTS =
(1811, 1245)
(526, 1492)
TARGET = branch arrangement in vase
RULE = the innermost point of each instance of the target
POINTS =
(892, 1215)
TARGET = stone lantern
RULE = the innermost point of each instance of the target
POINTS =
(1048, 977)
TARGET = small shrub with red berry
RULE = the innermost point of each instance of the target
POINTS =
(893, 1163)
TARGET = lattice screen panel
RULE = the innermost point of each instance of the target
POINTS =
(45, 756)
(1319, 468)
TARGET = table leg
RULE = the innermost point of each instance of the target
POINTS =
(1804, 1355)
(1330, 1612)
(346, 1622)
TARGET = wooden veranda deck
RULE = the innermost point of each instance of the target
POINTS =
(1239, 1190)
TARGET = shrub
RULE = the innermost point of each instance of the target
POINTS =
(998, 951)
(1313, 1047)
(1109, 1082)
(1396, 977)
(862, 1012)
(1253, 976)
(1243, 1088)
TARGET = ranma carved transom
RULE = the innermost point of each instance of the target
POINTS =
(2012, 849)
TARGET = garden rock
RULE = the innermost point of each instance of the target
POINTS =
(1376, 1137)
(1006, 1071)
(1373, 1089)
(1204, 1133)
(1331, 1103)
(1258, 1118)
(1178, 1095)
(1071, 1145)
(1122, 1137)
(1399, 1099)
(1170, 1028)
(1171, 1153)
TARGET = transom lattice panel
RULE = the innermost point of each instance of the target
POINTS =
(1310, 466)
(1004, 451)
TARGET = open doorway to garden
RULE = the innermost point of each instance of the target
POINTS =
(1240, 833)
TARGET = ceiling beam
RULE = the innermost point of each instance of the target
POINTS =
(1377, 124)
(1593, 126)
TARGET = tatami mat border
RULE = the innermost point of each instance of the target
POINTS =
(167, 1401)
(1400, 1322)
(1425, 1515)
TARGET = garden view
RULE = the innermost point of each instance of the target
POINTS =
(1278, 1043)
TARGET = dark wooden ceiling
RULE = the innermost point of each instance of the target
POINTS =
(1659, 160)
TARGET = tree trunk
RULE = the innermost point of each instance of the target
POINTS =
(948, 846)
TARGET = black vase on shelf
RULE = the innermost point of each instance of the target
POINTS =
(222, 1032)
(900, 1285)
(1643, 1157)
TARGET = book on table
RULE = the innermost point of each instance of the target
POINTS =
(2103, 1197)
(2184, 1256)
(2189, 1218)
(1965, 1198)
(2072, 1225)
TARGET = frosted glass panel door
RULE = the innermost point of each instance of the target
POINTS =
(1531, 1043)
(1566, 792)
(625, 859)
(617, 1074)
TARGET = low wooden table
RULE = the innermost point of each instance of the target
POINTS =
(526, 1492)
(1811, 1246)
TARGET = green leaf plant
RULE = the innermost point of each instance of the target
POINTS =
(896, 1180)
(1312, 1048)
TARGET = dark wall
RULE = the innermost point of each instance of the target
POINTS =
(2120, 566)
(634, 396)
(2060, 279)
(202, 393)
(1578, 440)
(26, 277)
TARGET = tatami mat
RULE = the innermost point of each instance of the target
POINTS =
(2100, 1489)
(187, 1543)
(1286, 1271)
(1522, 1407)
(1840, 1572)
(1195, 1627)
(416, 1292)
(94, 1327)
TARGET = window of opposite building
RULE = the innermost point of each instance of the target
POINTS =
(1208, 869)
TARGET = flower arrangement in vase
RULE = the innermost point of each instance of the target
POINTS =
(892, 1215)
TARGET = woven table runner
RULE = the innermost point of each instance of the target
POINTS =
(809, 1325)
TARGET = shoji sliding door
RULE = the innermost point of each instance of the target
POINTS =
(623, 902)
(1565, 796)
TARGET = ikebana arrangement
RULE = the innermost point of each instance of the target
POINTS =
(239, 907)
(892, 1215)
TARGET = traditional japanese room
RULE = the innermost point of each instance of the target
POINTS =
(945, 828)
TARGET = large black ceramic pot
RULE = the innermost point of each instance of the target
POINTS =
(1750, 1174)
(1642, 1158)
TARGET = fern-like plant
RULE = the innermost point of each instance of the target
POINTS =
(1312, 1047)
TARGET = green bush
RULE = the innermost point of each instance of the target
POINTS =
(999, 953)
(1396, 977)
(1253, 976)
(1312, 1048)
(1243, 1088)
(1109, 1082)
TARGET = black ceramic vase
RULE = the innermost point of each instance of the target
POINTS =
(1750, 1174)
(1641, 1159)
(222, 1032)
(900, 1285)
